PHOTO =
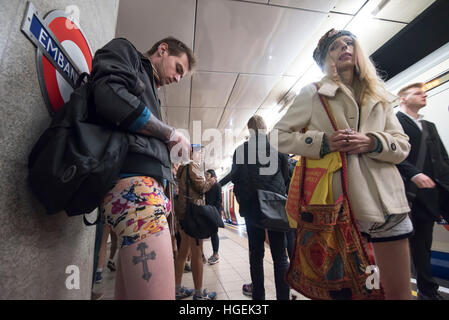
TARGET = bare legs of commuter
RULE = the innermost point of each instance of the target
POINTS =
(188, 244)
(145, 263)
(393, 260)
(102, 254)
(196, 261)
(144, 270)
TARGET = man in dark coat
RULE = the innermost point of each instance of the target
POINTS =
(258, 165)
(426, 176)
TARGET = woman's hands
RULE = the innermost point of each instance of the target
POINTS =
(351, 142)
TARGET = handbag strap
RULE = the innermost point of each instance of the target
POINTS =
(344, 175)
(187, 188)
(344, 180)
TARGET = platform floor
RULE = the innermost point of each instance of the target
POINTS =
(232, 271)
(225, 277)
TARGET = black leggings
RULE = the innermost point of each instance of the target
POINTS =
(215, 242)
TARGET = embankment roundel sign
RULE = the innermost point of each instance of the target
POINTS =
(63, 53)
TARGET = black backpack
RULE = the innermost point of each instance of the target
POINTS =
(76, 161)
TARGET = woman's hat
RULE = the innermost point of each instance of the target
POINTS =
(319, 54)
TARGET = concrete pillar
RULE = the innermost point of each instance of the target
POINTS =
(36, 249)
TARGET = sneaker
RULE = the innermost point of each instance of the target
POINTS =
(183, 293)
(205, 295)
(111, 266)
(187, 268)
(98, 277)
(247, 289)
(214, 259)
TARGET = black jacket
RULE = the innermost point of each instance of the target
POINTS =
(248, 177)
(123, 85)
(436, 166)
(214, 197)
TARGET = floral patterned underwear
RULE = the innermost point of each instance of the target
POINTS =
(135, 208)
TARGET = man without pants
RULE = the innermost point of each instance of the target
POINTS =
(125, 86)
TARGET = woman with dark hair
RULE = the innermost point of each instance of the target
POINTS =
(197, 187)
(249, 173)
(214, 198)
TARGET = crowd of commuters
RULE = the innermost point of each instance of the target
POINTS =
(153, 185)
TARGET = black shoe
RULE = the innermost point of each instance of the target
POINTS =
(435, 296)
(111, 266)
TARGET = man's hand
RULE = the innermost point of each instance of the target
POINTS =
(179, 147)
(423, 181)
(351, 142)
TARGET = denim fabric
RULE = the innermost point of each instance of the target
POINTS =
(256, 238)
(98, 237)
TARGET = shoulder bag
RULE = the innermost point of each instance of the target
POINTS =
(272, 211)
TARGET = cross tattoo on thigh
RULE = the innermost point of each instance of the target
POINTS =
(143, 258)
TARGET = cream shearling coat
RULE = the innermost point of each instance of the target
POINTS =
(375, 186)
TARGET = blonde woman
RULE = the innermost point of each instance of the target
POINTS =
(374, 142)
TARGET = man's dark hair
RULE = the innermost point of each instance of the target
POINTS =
(212, 173)
(175, 48)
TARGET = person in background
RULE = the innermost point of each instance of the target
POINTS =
(214, 198)
(373, 140)
(172, 220)
(197, 188)
(427, 183)
(248, 176)
(103, 250)
(124, 95)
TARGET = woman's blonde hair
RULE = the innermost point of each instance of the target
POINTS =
(366, 81)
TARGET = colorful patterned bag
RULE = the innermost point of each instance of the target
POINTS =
(329, 260)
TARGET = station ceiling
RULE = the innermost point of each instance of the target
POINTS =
(253, 56)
